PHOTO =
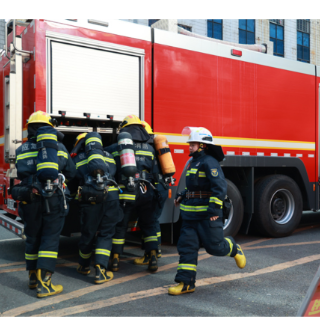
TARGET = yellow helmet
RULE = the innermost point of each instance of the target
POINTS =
(129, 120)
(147, 127)
(39, 117)
(80, 137)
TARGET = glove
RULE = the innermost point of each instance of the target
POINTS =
(181, 195)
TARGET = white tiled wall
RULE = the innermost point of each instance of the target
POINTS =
(290, 39)
(199, 26)
(230, 30)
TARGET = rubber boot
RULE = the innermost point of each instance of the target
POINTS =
(240, 258)
(159, 251)
(102, 275)
(45, 287)
(32, 279)
(142, 260)
(181, 288)
(153, 265)
(115, 262)
(83, 270)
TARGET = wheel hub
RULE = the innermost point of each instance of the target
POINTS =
(282, 206)
(278, 206)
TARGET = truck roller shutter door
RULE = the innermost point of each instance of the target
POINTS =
(95, 81)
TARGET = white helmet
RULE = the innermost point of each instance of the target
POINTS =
(198, 134)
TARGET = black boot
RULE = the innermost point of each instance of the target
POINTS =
(153, 265)
(32, 279)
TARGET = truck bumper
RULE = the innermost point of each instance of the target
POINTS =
(14, 226)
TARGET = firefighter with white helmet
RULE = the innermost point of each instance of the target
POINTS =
(201, 210)
(41, 157)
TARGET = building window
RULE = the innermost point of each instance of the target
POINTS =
(152, 21)
(214, 28)
(185, 27)
(303, 40)
(246, 31)
(277, 36)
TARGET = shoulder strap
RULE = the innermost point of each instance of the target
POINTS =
(47, 144)
(90, 147)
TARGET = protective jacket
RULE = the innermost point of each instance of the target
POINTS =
(145, 160)
(42, 230)
(26, 161)
(203, 174)
(81, 161)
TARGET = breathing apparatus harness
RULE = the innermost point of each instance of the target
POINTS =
(97, 181)
(129, 166)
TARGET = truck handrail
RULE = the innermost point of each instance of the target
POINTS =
(14, 39)
(263, 48)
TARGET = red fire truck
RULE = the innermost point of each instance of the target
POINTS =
(88, 75)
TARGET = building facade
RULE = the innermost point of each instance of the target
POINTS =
(2, 33)
(292, 39)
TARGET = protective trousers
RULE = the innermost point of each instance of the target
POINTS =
(158, 210)
(144, 208)
(192, 234)
(103, 217)
(42, 232)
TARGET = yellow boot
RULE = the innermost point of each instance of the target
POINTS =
(240, 258)
(181, 288)
(83, 270)
(45, 287)
(102, 275)
(115, 262)
(32, 279)
(142, 260)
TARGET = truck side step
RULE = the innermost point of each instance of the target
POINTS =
(14, 226)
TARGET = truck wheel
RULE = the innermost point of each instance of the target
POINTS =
(277, 206)
(233, 224)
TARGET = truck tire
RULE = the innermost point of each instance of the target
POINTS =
(233, 224)
(277, 206)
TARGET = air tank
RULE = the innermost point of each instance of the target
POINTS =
(127, 156)
(164, 155)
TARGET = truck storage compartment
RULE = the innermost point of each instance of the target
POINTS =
(94, 77)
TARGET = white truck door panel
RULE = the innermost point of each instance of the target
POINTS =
(91, 80)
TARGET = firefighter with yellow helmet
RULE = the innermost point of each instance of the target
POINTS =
(99, 203)
(201, 210)
(43, 163)
(138, 196)
(162, 187)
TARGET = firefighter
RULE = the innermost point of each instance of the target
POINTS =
(162, 188)
(96, 214)
(201, 211)
(42, 229)
(142, 201)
